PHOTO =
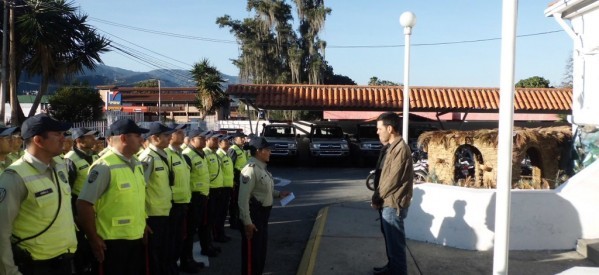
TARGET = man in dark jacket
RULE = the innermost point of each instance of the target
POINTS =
(395, 191)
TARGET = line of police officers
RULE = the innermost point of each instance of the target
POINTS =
(128, 210)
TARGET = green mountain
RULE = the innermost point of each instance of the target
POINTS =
(107, 75)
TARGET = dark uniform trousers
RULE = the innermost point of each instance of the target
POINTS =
(222, 216)
(60, 265)
(253, 251)
(122, 257)
(84, 257)
(233, 203)
(176, 232)
(158, 257)
(217, 212)
(197, 222)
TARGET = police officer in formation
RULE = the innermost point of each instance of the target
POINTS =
(78, 161)
(160, 179)
(6, 145)
(239, 156)
(216, 186)
(37, 231)
(256, 194)
(111, 206)
(179, 165)
(227, 189)
(197, 218)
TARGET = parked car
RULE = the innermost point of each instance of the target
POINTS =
(328, 141)
(283, 137)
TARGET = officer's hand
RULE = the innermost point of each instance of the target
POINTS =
(283, 194)
(147, 232)
(98, 246)
(249, 231)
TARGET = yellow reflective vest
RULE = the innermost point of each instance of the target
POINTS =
(214, 167)
(181, 187)
(242, 157)
(120, 211)
(226, 168)
(82, 170)
(39, 209)
(159, 194)
(200, 176)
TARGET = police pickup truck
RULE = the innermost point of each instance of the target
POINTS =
(283, 137)
(367, 141)
(328, 141)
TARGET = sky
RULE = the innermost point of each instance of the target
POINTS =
(351, 23)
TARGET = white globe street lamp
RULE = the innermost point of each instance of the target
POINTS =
(407, 21)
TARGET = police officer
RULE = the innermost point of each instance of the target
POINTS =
(239, 157)
(37, 232)
(180, 167)
(197, 220)
(216, 184)
(6, 146)
(159, 195)
(256, 193)
(111, 205)
(16, 147)
(227, 189)
(78, 162)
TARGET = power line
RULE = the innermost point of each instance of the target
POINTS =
(442, 43)
(184, 36)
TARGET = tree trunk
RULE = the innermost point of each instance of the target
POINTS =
(17, 116)
(38, 97)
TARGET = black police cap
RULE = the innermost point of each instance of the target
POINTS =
(41, 123)
(177, 126)
(157, 128)
(4, 132)
(125, 126)
(259, 143)
(194, 133)
(81, 131)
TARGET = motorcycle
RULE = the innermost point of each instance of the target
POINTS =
(420, 167)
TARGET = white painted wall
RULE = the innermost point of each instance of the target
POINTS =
(540, 219)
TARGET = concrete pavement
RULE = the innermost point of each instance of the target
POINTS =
(346, 239)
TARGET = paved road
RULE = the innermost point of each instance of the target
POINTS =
(290, 226)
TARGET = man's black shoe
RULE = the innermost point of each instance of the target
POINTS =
(223, 239)
(189, 268)
(375, 269)
(209, 253)
(190, 261)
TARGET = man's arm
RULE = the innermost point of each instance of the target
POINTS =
(246, 185)
(72, 170)
(232, 154)
(97, 183)
(12, 193)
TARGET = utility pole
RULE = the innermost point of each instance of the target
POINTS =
(4, 79)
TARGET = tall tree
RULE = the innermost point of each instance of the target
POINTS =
(533, 82)
(375, 81)
(76, 103)
(568, 80)
(210, 92)
(271, 51)
(53, 40)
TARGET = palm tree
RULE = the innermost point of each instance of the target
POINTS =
(209, 82)
(59, 43)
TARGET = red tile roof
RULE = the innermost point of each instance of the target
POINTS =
(386, 98)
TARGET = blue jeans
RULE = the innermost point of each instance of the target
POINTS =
(395, 235)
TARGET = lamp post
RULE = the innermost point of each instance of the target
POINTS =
(407, 21)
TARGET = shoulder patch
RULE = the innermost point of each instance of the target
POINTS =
(245, 179)
(2, 194)
(93, 175)
(252, 164)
